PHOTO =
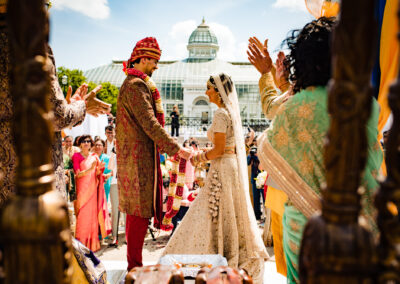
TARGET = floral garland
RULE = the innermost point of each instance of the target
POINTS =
(214, 196)
(175, 192)
(154, 91)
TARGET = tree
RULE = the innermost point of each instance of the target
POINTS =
(75, 78)
(108, 93)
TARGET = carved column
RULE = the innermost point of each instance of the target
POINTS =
(335, 248)
(34, 227)
(389, 196)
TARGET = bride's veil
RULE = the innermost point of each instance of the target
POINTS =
(252, 234)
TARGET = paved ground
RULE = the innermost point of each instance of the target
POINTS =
(115, 258)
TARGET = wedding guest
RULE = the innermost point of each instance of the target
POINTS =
(174, 121)
(294, 144)
(91, 207)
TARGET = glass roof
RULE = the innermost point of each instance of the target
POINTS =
(192, 73)
(203, 34)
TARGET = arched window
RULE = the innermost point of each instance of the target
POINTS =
(201, 103)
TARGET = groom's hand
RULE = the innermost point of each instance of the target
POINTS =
(184, 153)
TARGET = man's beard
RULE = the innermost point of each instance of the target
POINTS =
(149, 72)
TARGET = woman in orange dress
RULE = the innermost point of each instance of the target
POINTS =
(90, 220)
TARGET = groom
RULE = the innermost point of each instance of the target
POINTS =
(141, 137)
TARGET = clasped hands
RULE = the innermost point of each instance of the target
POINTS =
(94, 106)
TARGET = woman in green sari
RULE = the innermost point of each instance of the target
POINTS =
(291, 150)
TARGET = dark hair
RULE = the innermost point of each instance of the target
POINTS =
(132, 63)
(83, 138)
(226, 83)
(185, 142)
(109, 128)
(194, 142)
(76, 141)
(309, 61)
(101, 140)
(68, 136)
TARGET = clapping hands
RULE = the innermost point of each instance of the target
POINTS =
(258, 55)
(94, 106)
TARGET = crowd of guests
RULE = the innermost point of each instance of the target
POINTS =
(91, 185)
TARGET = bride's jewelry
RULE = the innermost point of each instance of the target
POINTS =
(199, 158)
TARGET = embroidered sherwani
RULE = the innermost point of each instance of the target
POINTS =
(8, 157)
(65, 115)
(138, 132)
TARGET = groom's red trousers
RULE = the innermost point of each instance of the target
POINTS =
(136, 228)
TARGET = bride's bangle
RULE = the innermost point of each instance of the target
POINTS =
(200, 158)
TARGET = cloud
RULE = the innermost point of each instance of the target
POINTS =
(97, 9)
(175, 47)
(228, 48)
(294, 5)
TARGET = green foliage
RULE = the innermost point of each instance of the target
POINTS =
(108, 93)
(75, 78)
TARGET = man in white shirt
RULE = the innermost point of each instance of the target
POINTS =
(110, 142)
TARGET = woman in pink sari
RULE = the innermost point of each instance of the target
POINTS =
(90, 219)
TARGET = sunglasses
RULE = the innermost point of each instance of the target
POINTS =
(86, 141)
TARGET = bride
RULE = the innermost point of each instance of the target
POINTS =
(221, 219)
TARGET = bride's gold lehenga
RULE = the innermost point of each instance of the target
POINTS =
(218, 221)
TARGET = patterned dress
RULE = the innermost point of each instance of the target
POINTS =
(298, 135)
(199, 234)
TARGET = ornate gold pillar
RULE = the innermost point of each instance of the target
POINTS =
(335, 248)
(34, 227)
(388, 196)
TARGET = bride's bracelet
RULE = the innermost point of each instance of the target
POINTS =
(200, 158)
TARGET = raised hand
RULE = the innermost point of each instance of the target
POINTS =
(95, 106)
(282, 74)
(258, 55)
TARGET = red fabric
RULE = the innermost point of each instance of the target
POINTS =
(136, 228)
(77, 158)
(265, 187)
(147, 47)
(171, 212)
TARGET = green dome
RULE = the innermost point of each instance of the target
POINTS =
(203, 34)
(203, 44)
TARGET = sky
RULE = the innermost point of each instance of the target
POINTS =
(89, 33)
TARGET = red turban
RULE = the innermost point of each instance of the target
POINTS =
(147, 47)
